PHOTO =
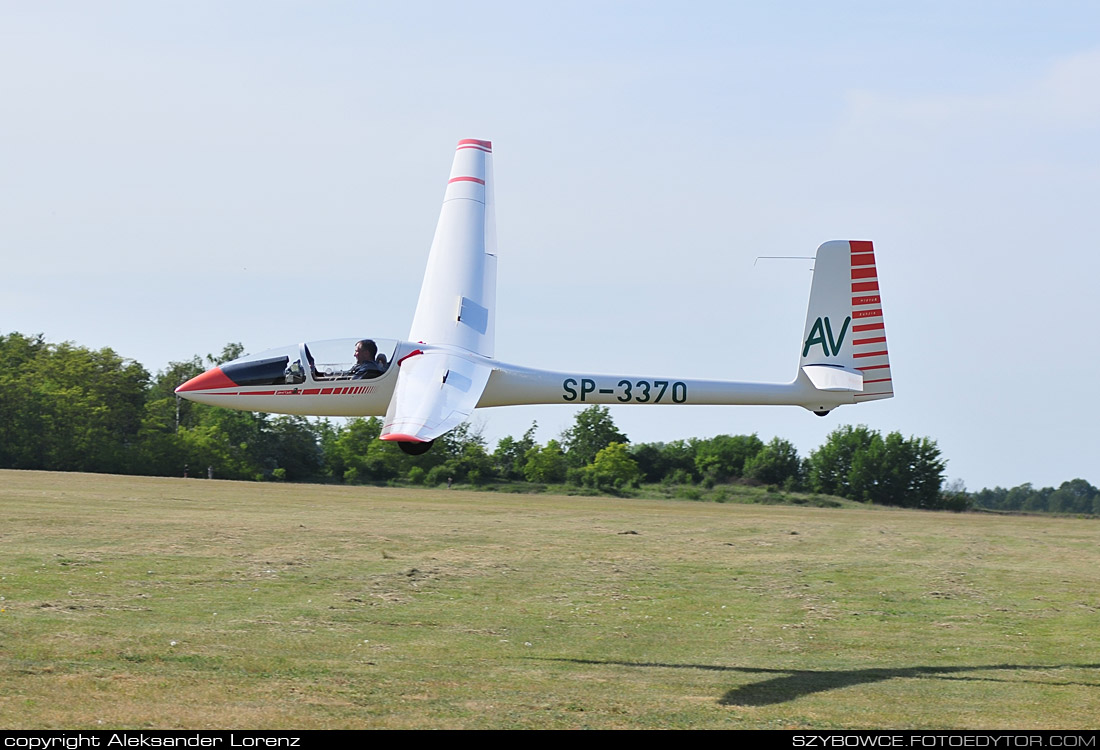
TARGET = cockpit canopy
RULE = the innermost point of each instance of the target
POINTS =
(318, 361)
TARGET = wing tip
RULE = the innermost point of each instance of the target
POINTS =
(402, 438)
(475, 143)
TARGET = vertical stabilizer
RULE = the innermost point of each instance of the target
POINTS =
(845, 336)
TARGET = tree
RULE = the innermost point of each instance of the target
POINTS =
(350, 448)
(723, 457)
(613, 467)
(1038, 501)
(359, 456)
(234, 444)
(230, 352)
(954, 497)
(592, 431)
(68, 408)
(453, 444)
(384, 460)
(511, 455)
(1017, 497)
(472, 465)
(830, 466)
(545, 464)
(648, 458)
(459, 455)
(859, 464)
(776, 463)
(898, 471)
(294, 448)
(1074, 496)
(919, 470)
(666, 462)
(332, 460)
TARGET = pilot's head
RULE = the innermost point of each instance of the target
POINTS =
(365, 351)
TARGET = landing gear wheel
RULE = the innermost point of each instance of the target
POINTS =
(415, 449)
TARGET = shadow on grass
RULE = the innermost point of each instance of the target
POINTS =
(788, 684)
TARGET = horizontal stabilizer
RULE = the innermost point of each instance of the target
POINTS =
(833, 378)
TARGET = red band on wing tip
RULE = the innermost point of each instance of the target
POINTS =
(475, 142)
(402, 438)
(466, 179)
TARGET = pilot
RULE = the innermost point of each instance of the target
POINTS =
(365, 366)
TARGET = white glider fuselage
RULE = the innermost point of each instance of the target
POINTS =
(510, 385)
(426, 388)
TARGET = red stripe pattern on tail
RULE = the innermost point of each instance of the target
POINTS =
(867, 325)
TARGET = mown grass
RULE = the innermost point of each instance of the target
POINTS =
(151, 602)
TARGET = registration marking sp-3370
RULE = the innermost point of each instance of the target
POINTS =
(648, 392)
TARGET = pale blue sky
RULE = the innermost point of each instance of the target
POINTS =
(174, 176)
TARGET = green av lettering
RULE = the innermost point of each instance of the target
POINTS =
(822, 333)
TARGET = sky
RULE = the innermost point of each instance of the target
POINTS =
(179, 175)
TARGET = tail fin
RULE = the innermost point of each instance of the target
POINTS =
(844, 345)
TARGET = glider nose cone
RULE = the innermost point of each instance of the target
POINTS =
(209, 380)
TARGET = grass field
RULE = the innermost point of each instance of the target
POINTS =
(149, 602)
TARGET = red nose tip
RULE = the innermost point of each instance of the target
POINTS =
(207, 381)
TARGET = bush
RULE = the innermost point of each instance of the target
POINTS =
(689, 493)
(437, 475)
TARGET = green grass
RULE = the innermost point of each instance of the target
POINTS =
(151, 602)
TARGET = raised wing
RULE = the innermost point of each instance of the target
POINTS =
(435, 392)
(458, 297)
(455, 316)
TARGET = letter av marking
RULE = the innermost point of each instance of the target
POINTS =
(822, 333)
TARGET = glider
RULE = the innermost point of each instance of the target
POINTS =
(430, 383)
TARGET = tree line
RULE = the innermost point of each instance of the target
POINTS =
(67, 408)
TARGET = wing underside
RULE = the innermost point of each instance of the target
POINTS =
(436, 391)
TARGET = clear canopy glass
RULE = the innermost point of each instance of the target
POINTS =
(319, 361)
